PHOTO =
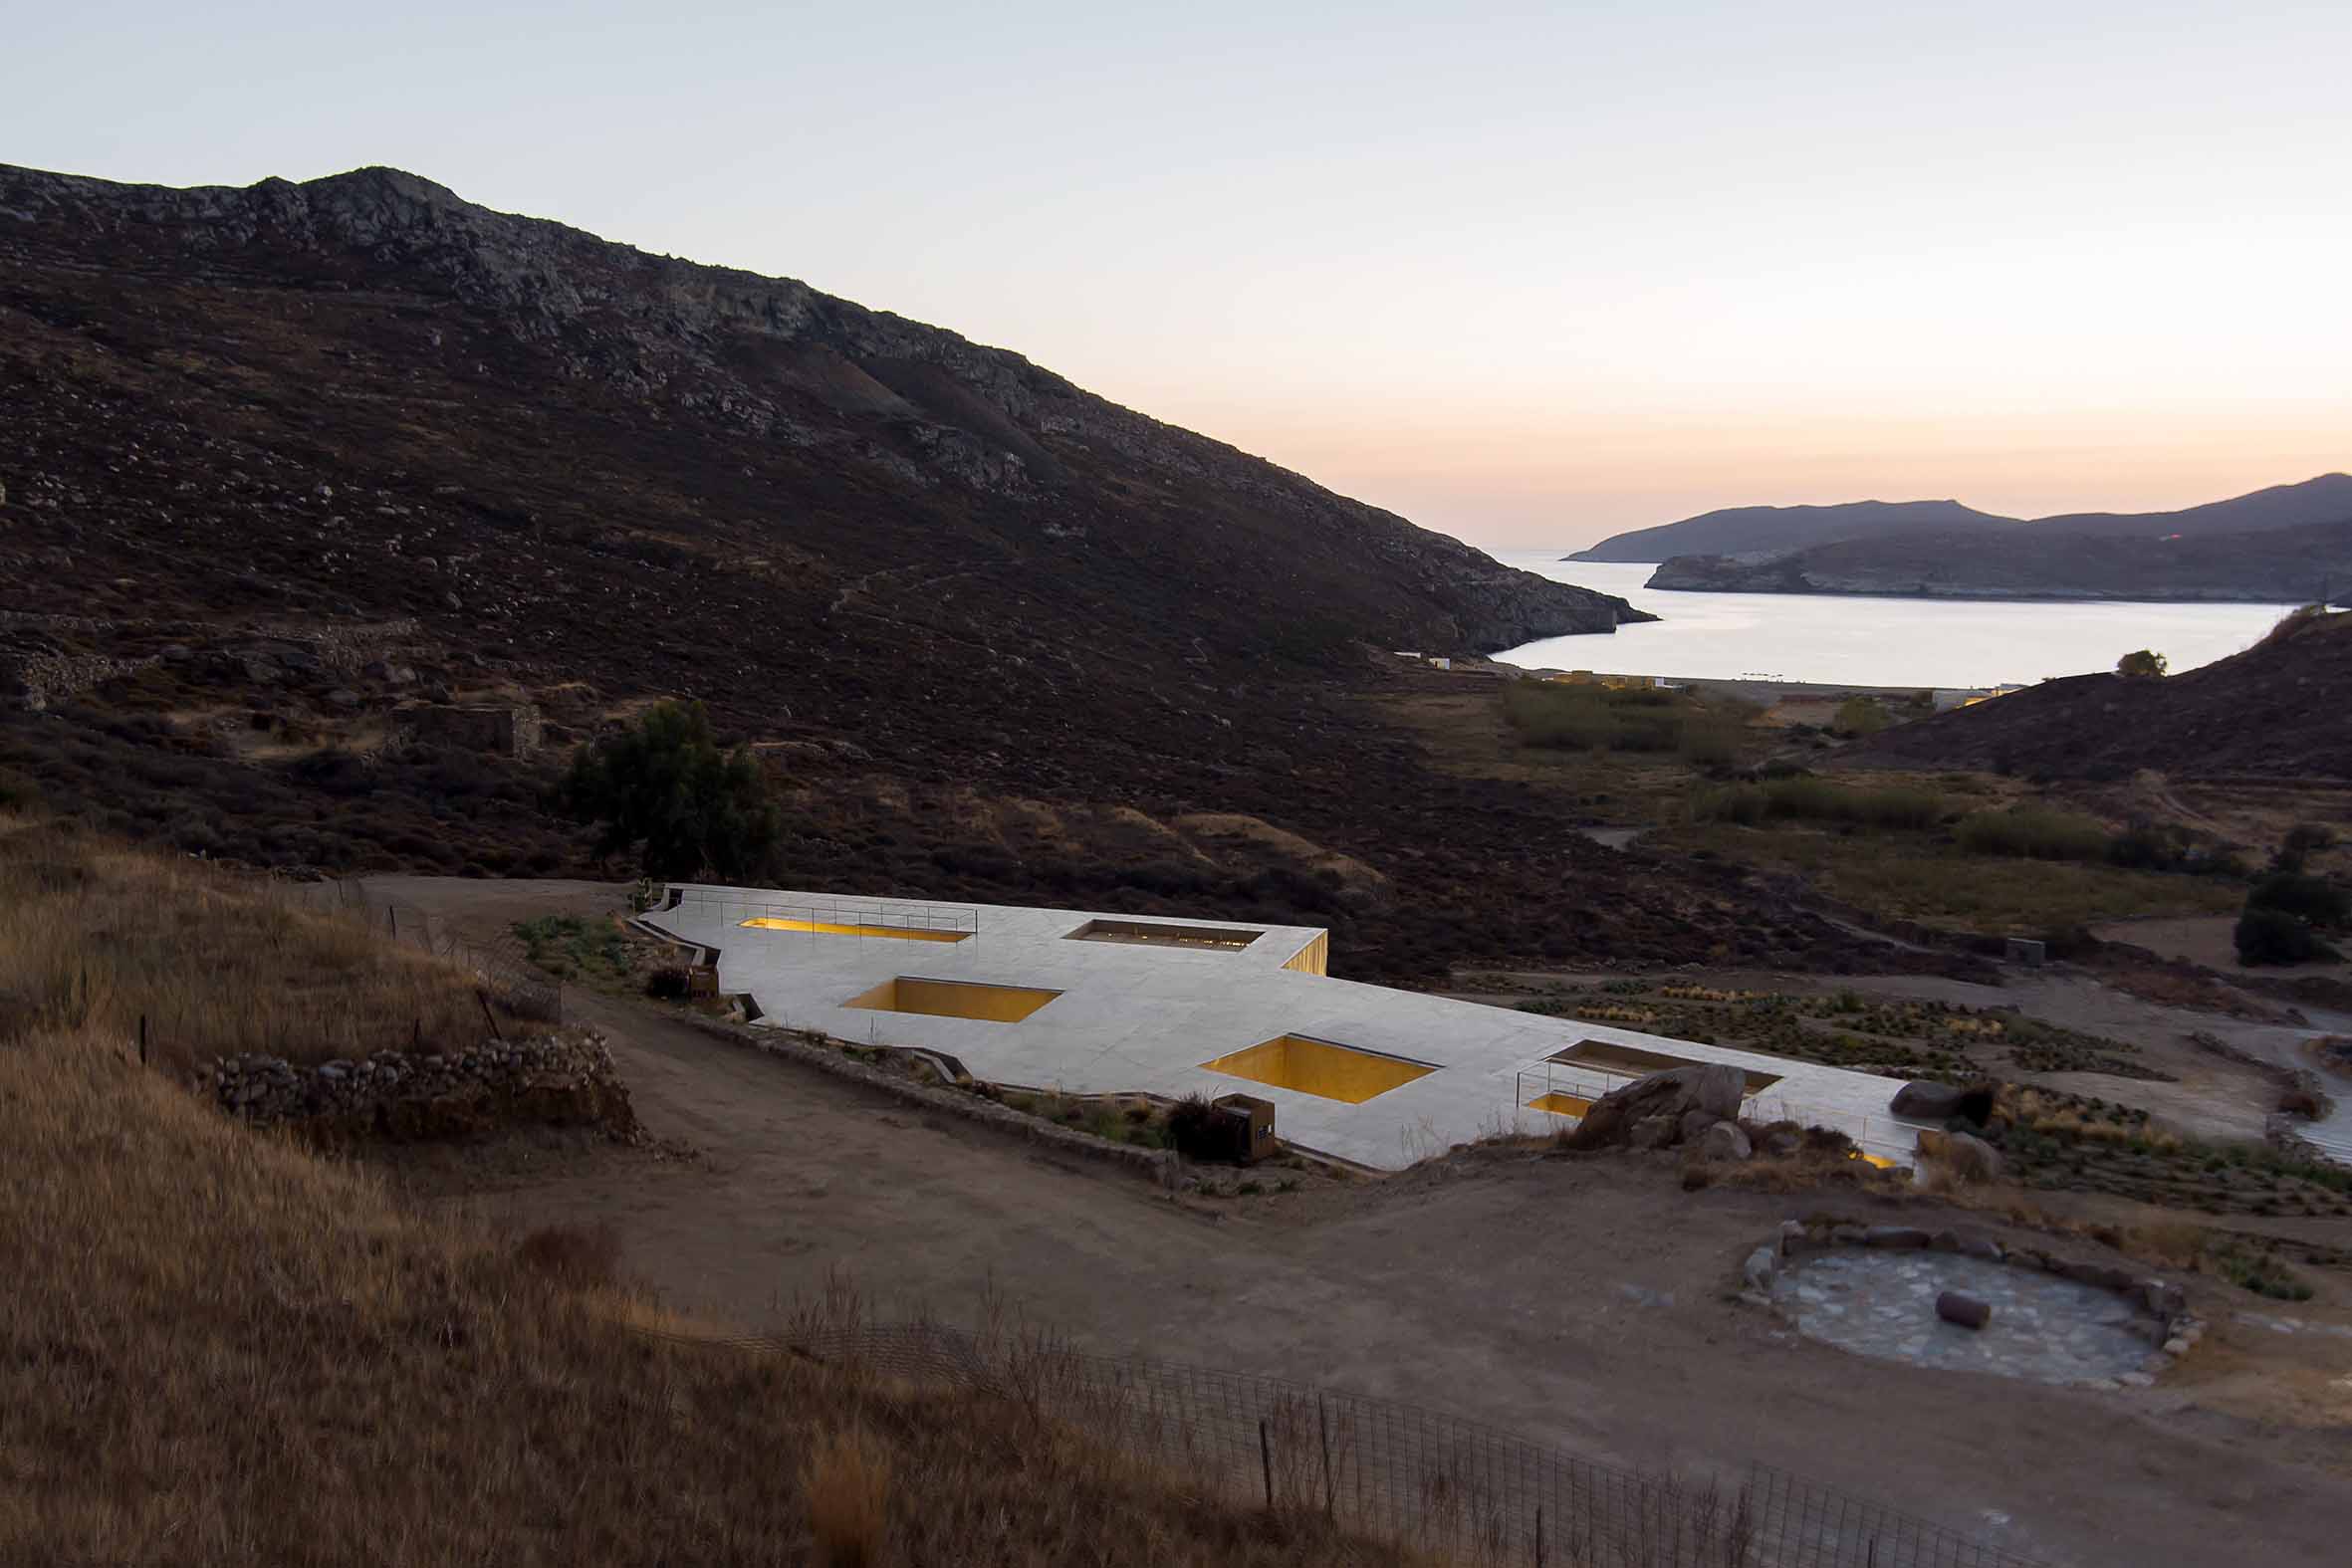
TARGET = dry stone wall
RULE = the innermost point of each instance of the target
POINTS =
(565, 1080)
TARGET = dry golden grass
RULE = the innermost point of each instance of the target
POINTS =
(847, 1480)
(215, 1348)
(96, 934)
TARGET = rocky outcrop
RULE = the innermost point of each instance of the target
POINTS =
(1661, 1109)
(1928, 1101)
(562, 1080)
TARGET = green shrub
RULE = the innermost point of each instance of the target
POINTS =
(1860, 715)
(665, 788)
(2143, 665)
(2310, 898)
(1806, 798)
(2301, 840)
(1640, 719)
(2035, 833)
(2272, 936)
(2258, 1273)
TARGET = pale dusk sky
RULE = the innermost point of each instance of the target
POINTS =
(1526, 274)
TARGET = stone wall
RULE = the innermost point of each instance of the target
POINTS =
(514, 729)
(35, 680)
(563, 1079)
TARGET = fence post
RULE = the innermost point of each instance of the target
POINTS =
(1539, 1535)
(143, 1040)
(1265, 1462)
(1323, 1416)
(392, 917)
(483, 997)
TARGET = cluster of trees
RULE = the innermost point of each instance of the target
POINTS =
(2290, 910)
(666, 789)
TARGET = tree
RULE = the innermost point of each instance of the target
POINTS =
(1858, 716)
(665, 785)
(2143, 665)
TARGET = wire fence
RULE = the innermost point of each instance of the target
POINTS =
(502, 965)
(1397, 1472)
(894, 920)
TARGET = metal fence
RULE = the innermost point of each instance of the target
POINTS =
(841, 917)
(1397, 1472)
(502, 965)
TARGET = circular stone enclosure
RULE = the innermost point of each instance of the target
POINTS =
(2049, 1329)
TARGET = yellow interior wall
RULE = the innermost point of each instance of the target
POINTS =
(833, 929)
(1559, 1104)
(1315, 958)
(1318, 1068)
(954, 999)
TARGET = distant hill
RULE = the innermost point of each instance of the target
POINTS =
(2328, 499)
(1747, 530)
(2272, 566)
(2282, 709)
(1754, 532)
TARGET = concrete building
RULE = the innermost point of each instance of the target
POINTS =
(1096, 1003)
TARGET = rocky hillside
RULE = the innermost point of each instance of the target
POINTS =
(1751, 531)
(2282, 709)
(2282, 565)
(469, 384)
(336, 514)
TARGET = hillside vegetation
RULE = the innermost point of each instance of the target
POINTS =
(2282, 710)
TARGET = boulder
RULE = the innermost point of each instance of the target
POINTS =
(1668, 1096)
(1652, 1132)
(1959, 1158)
(1695, 1123)
(1966, 1311)
(1942, 1102)
(1724, 1141)
(1901, 1237)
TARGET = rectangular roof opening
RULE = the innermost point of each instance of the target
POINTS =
(1319, 1068)
(1158, 934)
(953, 998)
(1609, 1057)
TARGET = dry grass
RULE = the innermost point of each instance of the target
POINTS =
(97, 935)
(215, 1348)
(847, 1480)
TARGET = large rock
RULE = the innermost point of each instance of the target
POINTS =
(1724, 1141)
(1966, 1311)
(1714, 1089)
(1941, 1102)
(1959, 1158)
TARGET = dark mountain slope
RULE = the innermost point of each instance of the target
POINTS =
(315, 495)
(592, 393)
(1746, 530)
(2282, 709)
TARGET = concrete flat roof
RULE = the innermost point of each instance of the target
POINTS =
(1136, 1017)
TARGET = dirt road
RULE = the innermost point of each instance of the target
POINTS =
(1586, 1303)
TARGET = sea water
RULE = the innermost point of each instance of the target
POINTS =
(1862, 641)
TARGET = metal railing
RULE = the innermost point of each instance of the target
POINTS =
(1398, 1472)
(960, 922)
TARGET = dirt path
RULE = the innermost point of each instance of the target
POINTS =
(1582, 1303)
